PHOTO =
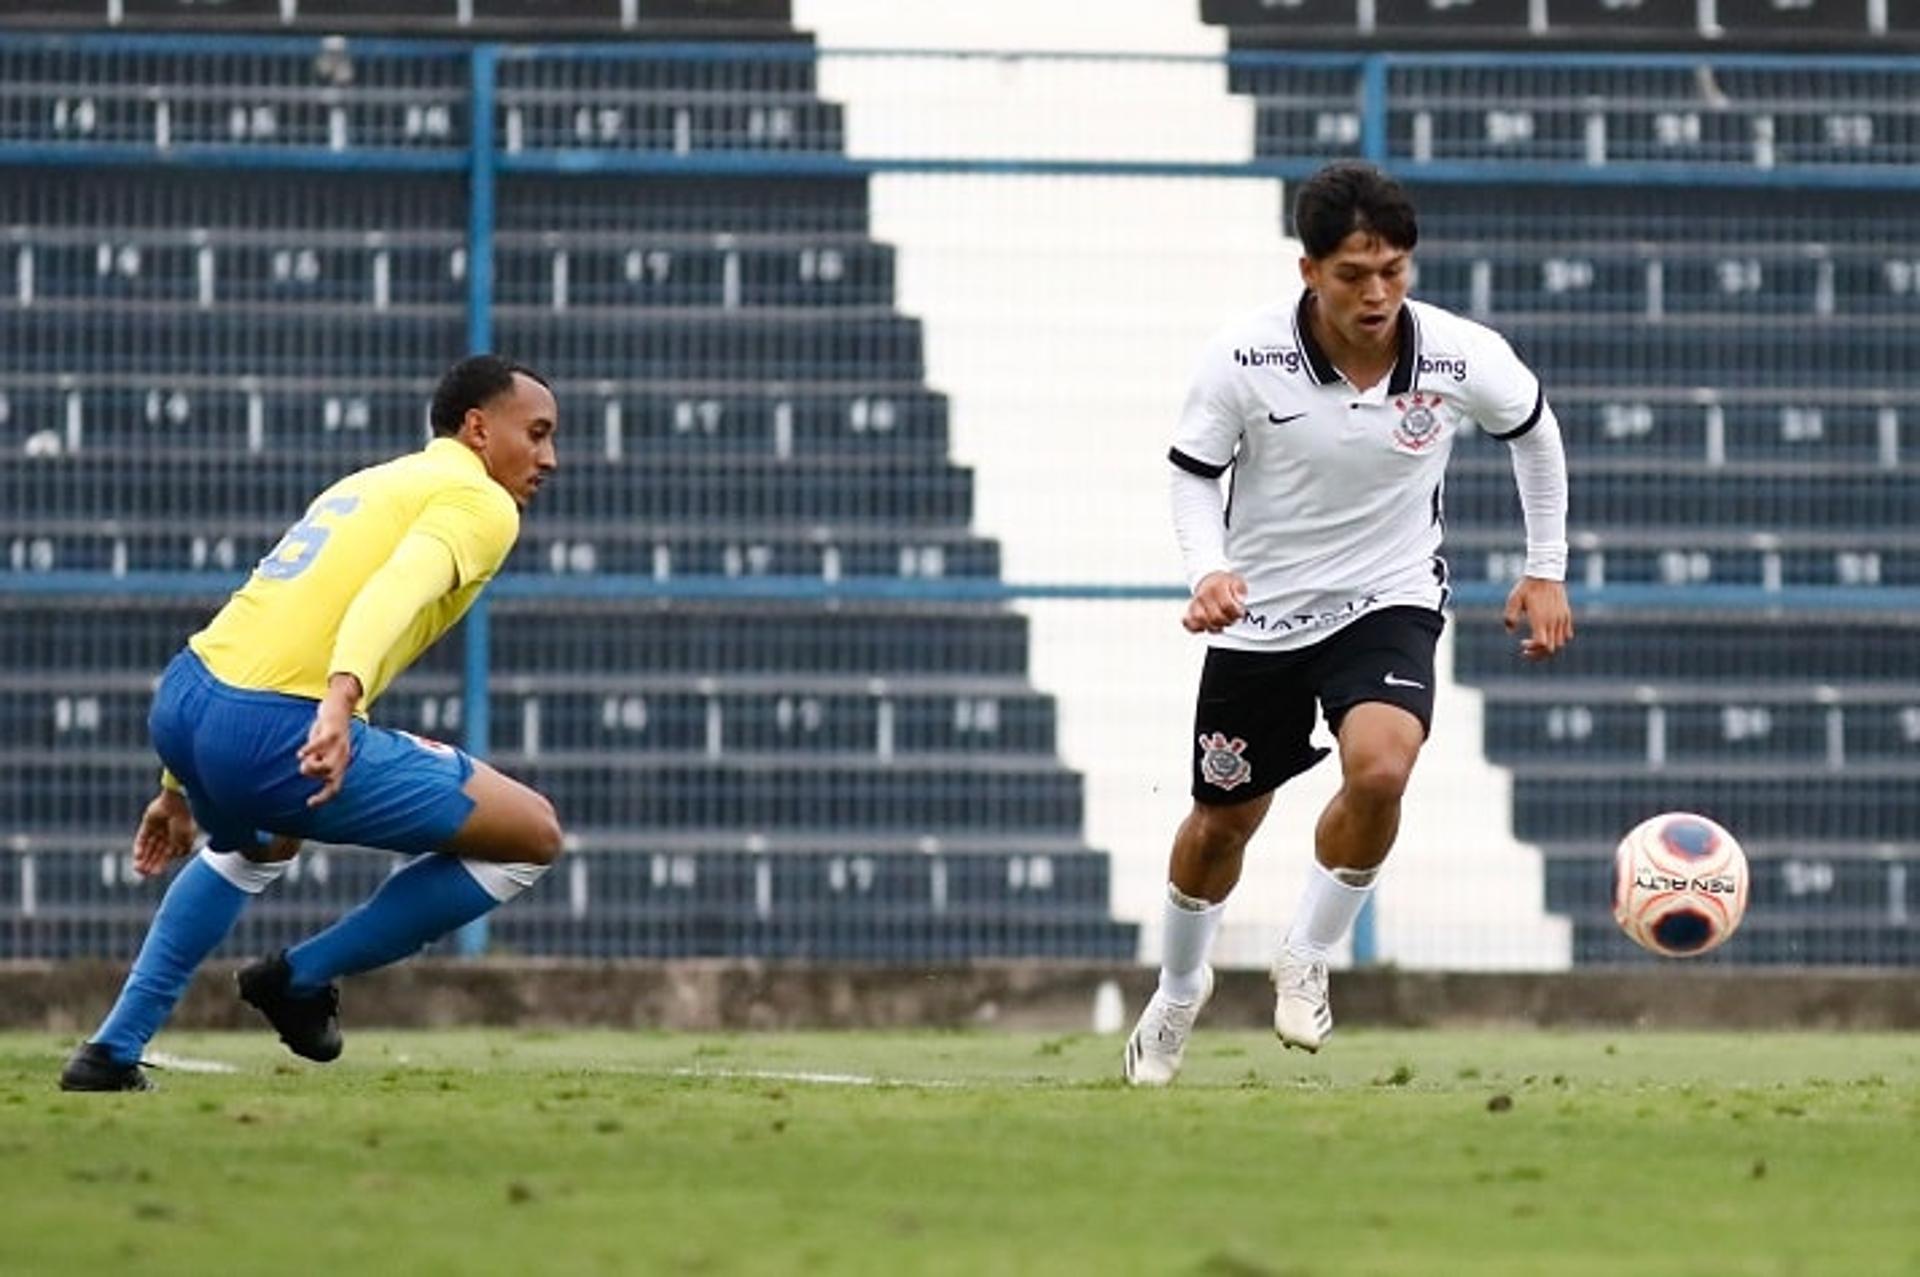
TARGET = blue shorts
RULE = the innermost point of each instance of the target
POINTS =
(236, 752)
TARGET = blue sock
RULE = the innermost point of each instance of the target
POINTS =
(194, 917)
(413, 908)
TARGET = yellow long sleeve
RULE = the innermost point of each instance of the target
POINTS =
(420, 570)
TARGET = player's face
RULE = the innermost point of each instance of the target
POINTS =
(1360, 285)
(516, 440)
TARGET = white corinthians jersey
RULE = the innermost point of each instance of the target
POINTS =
(1335, 504)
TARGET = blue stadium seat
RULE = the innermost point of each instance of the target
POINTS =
(1418, 19)
(1653, 280)
(1780, 802)
(542, 205)
(160, 545)
(1805, 887)
(1765, 496)
(1698, 559)
(570, 274)
(632, 792)
(93, 95)
(677, 122)
(1622, 733)
(801, 719)
(1794, 649)
(1260, 20)
(909, 940)
(335, 340)
(815, 552)
(1841, 940)
(1811, 426)
(881, 906)
(106, 485)
(136, 636)
(83, 710)
(371, 418)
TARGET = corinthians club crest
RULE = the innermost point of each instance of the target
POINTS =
(1223, 762)
(1419, 425)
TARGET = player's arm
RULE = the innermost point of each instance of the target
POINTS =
(1511, 405)
(1209, 427)
(420, 570)
(463, 535)
(1199, 525)
(1540, 473)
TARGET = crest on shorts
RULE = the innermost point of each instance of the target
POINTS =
(1419, 421)
(1223, 762)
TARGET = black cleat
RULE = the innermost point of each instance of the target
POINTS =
(91, 1069)
(309, 1025)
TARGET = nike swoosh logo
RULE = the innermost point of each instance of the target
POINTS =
(1394, 680)
(1281, 421)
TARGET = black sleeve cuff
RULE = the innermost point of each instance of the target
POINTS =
(1193, 465)
(1533, 418)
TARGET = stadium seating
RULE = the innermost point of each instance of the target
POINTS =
(191, 360)
(1733, 379)
(1585, 24)
(879, 780)
(663, 19)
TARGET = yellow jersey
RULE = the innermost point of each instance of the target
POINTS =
(277, 632)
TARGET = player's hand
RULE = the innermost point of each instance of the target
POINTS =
(329, 746)
(1218, 601)
(165, 835)
(1549, 617)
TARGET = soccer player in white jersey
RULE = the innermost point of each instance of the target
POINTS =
(1319, 578)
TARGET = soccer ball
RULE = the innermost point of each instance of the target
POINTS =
(1679, 884)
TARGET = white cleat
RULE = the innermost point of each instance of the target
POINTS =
(1159, 1041)
(1301, 1016)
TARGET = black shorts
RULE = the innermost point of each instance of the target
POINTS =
(1253, 721)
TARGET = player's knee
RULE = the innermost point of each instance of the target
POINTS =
(1222, 831)
(547, 839)
(1379, 778)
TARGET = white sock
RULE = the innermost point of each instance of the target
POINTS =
(503, 881)
(1327, 909)
(251, 876)
(1189, 931)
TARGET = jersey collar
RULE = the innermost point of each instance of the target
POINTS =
(1406, 361)
(447, 448)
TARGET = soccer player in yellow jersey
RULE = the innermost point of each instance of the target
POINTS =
(261, 724)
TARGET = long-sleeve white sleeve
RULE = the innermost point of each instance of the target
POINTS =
(1540, 473)
(1199, 523)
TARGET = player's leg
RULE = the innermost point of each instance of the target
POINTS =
(204, 900)
(504, 843)
(201, 905)
(1377, 682)
(1251, 735)
(479, 839)
(1208, 849)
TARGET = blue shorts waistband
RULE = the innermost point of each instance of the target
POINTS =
(196, 669)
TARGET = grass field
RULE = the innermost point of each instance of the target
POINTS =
(1424, 1153)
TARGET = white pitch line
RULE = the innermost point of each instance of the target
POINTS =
(816, 1079)
(186, 1064)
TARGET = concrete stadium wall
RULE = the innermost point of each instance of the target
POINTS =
(708, 996)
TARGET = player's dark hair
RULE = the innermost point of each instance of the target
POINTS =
(1348, 196)
(473, 383)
